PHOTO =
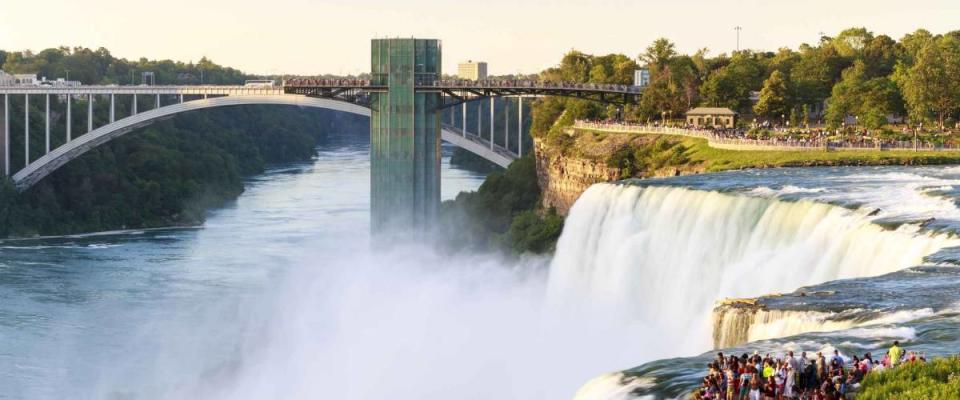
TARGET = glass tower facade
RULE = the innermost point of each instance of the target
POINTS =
(404, 136)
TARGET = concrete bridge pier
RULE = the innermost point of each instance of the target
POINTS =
(5, 135)
(69, 117)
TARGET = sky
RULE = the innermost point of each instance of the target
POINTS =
(333, 36)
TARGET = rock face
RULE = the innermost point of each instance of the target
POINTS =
(732, 320)
(563, 178)
(563, 174)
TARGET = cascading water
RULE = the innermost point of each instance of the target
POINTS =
(662, 256)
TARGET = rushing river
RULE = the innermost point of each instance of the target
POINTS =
(278, 295)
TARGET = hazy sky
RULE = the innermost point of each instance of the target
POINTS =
(332, 36)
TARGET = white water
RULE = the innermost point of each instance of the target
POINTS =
(772, 324)
(662, 256)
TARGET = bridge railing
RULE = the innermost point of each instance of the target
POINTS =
(470, 84)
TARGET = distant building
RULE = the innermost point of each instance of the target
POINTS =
(59, 82)
(472, 70)
(31, 80)
(6, 79)
(641, 77)
(712, 117)
(25, 80)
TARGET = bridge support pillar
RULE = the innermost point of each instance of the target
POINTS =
(491, 122)
(479, 119)
(134, 112)
(158, 100)
(506, 123)
(113, 110)
(464, 130)
(89, 113)
(5, 135)
(26, 130)
(69, 116)
(46, 125)
(405, 138)
(520, 129)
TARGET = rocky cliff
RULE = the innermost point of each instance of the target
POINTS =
(567, 167)
(562, 178)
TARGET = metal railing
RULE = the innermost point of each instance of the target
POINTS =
(468, 84)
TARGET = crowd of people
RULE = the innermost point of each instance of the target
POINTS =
(782, 136)
(794, 377)
(485, 83)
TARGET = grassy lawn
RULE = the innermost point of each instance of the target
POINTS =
(935, 380)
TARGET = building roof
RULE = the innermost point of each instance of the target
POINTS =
(711, 111)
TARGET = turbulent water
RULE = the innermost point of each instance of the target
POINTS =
(670, 250)
(666, 254)
(279, 295)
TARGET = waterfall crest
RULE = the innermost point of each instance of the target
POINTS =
(662, 256)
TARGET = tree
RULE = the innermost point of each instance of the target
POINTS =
(931, 86)
(659, 53)
(774, 97)
(880, 56)
(870, 99)
(730, 85)
(850, 42)
(815, 73)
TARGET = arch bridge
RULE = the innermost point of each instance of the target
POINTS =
(404, 100)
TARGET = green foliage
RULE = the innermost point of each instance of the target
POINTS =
(483, 220)
(730, 86)
(531, 232)
(935, 380)
(870, 99)
(817, 69)
(774, 99)
(643, 160)
(659, 53)
(930, 77)
(99, 66)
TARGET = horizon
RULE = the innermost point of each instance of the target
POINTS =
(535, 46)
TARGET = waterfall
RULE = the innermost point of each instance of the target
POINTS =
(662, 256)
(734, 325)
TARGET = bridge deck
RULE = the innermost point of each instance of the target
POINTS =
(223, 90)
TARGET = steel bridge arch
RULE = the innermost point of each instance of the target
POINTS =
(56, 158)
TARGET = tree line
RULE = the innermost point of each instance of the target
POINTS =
(855, 74)
(98, 66)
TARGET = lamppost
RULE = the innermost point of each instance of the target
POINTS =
(738, 28)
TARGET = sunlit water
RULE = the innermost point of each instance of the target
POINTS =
(279, 296)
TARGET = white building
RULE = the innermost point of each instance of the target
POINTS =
(6, 79)
(472, 70)
(25, 80)
(641, 77)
